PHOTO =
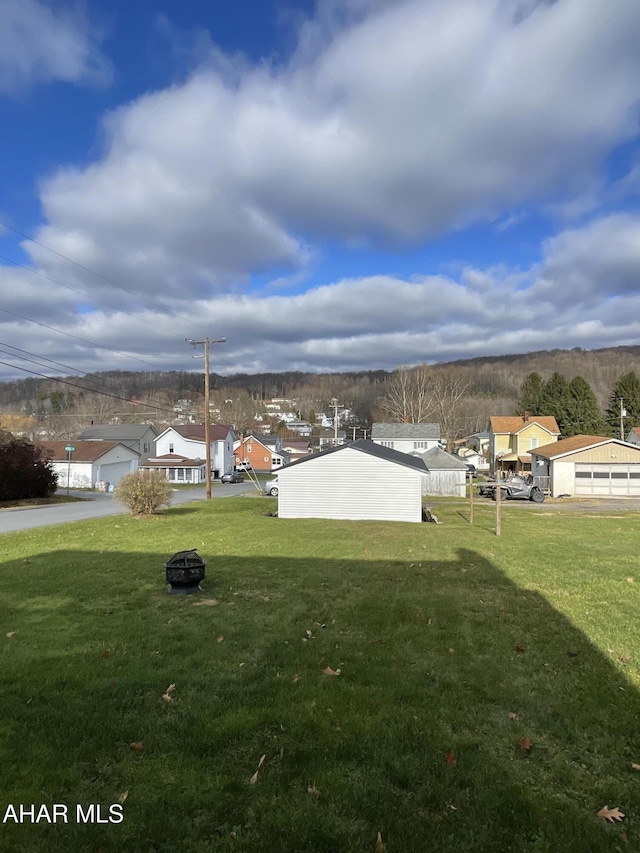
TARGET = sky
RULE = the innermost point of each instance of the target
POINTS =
(331, 186)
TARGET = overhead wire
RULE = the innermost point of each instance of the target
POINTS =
(89, 296)
(162, 308)
(72, 384)
(95, 379)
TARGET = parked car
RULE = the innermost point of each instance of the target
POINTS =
(232, 477)
(243, 466)
(471, 469)
(271, 487)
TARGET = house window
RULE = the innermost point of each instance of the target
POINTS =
(249, 448)
(266, 458)
(419, 445)
(171, 448)
(533, 442)
(181, 473)
(386, 443)
(146, 447)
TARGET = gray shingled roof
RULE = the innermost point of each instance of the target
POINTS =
(372, 449)
(412, 432)
(117, 432)
(438, 459)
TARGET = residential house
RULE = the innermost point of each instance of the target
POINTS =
(187, 441)
(138, 437)
(589, 465)
(406, 437)
(356, 481)
(512, 438)
(90, 463)
(178, 469)
(327, 438)
(634, 436)
(263, 454)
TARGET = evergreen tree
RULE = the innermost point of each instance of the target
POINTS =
(627, 389)
(555, 400)
(530, 394)
(583, 415)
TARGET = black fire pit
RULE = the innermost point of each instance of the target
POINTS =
(185, 570)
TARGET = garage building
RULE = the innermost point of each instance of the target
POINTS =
(355, 481)
(589, 465)
(91, 462)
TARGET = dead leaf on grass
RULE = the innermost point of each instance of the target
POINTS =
(137, 746)
(219, 639)
(123, 796)
(450, 758)
(513, 716)
(314, 791)
(328, 671)
(10, 633)
(610, 814)
(520, 648)
(254, 778)
(525, 744)
(167, 694)
(206, 602)
(630, 580)
(106, 653)
(380, 845)
(635, 766)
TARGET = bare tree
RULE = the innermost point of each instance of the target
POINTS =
(410, 395)
(422, 394)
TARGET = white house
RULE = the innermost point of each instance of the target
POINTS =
(446, 474)
(187, 441)
(90, 462)
(406, 437)
(588, 465)
(178, 469)
(357, 481)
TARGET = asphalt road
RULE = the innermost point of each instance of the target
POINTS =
(97, 505)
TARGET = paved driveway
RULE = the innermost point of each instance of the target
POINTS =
(98, 504)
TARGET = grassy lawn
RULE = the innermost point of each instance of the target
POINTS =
(488, 696)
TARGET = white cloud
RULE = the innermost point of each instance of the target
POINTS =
(43, 42)
(403, 121)
(581, 293)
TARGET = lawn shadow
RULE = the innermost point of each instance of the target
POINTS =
(468, 714)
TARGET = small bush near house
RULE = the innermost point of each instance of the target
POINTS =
(25, 472)
(143, 492)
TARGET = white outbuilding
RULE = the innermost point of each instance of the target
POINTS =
(88, 463)
(446, 474)
(357, 481)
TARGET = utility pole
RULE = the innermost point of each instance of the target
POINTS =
(623, 415)
(335, 405)
(206, 343)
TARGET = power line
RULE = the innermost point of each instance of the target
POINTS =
(74, 385)
(89, 296)
(99, 275)
(39, 359)
(75, 337)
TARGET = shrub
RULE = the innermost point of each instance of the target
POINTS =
(25, 471)
(143, 492)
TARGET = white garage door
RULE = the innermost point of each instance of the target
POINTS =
(607, 480)
(113, 471)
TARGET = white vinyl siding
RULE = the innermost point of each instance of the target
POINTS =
(350, 484)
